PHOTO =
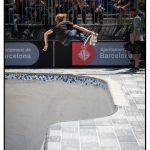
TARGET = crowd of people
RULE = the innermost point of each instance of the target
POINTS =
(23, 11)
(75, 7)
(43, 12)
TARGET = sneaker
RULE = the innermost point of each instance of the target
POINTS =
(87, 40)
(93, 39)
(134, 69)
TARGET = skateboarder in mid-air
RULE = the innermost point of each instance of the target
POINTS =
(65, 31)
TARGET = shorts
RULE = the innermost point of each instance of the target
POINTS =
(135, 48)
(74, 35)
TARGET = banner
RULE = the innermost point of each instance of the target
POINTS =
(103, 53)
(63, 55)
(28, 54)
(20, 53)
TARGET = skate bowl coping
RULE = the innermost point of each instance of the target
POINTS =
(33, 102)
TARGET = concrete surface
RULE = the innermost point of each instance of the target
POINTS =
(31, 106)
(124, 130)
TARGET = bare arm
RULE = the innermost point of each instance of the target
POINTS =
(126, 6)
(46, 34)
(134, 35)
(83, 29)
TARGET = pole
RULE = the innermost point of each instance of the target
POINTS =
(53, 54)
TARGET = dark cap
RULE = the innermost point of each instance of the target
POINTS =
(141, 14)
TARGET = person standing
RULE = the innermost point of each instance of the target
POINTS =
(82, 4)
(97, 10)
(73, 12)
(136, 38)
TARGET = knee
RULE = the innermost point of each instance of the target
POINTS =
(73, 32)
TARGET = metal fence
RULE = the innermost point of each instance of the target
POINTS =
(29, 19)
(43, 12)
(35, 32)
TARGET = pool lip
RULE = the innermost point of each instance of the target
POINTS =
(119, 98)
(110, 83)
(79, 78)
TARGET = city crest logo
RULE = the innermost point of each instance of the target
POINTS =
(82, 54)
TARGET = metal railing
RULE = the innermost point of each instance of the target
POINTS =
(29, 19)
(36, 32)
(42, 12)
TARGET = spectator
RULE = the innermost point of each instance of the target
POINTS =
(73, 11)
(21, 7)
(117, 5)
(66, 7)
(136, 38)
(75, 5)
(121, 7)
(82, 4)
(58, 6)
(142, 15)
(6, 11)
(127, 5)
(8, 35)
(97, 11)
(34, 16)
(9, 10)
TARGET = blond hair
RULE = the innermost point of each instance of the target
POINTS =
(60, 17)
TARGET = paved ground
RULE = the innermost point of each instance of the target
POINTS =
(124, 130)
